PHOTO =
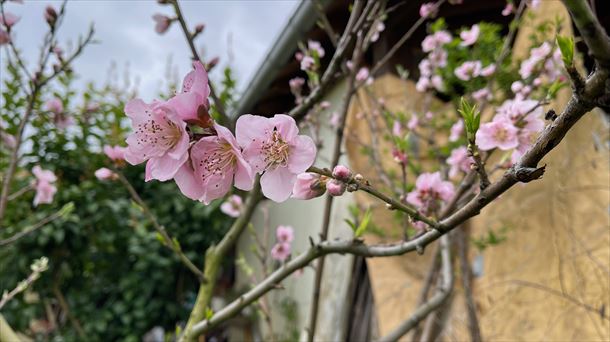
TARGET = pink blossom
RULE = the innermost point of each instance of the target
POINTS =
(307, 63)
(45, 190)
(516, 86)
(192, 103)
(413, 123)
(500, 133)
(216, 161)
(232, 206)
(428, 10)
(334, 120)
(481, 94)
(273, 147)
(470, 37)
(399, 156)
(309, 185)
(280, 251)
(378, 29)
(296, 85)
(437, 83)
(542, 51)
(335, 187)
(105, 174)
(438, 57)
(342, 173)
(5, 38)
(43, 175)
(459, 160)
(298, 56)
(436, 40)
(9, 19)
(363, 76)
(54, 105)
(44, 193)
(159, 137)
(397, 129)
(429, 190)
(468, 70)
(324, 105)
(521, 112)
(162, 23)
(315, 46)
(425, 67)
(115, 153)
(422, 84)
(456, 130)
(510, 8)
(488, 70)
(428, 115)
(284, 234)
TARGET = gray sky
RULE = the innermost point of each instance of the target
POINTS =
(126, 33)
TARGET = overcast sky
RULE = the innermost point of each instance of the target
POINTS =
(125, 31)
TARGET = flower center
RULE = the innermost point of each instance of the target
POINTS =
(501, 135)
(276, 151)
(218, 161)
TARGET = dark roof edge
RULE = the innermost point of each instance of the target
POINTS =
(299, 24)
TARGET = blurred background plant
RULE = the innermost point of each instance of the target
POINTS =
(105, 243)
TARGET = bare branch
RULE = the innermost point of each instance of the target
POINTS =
(434, 303)
(168, 241)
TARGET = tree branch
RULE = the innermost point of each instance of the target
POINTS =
(434, 303)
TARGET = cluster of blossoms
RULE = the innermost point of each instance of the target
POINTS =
(311, 185)
(430, 191)
(44, 185)
(178, 140)
(544, 63)
(515, 126)
(310, 57)
(283, 247)
(437, 58)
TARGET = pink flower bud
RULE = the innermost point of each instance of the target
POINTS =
(309, 185)
(162, 23)
(5, 38)
(298, 56)
(399, 156)
(9, 19)
(105, 174)
(335, 187)
(50, 15)
(342, 173)
(428, 10)
(280, 251)
(232, 206)
(284, 234)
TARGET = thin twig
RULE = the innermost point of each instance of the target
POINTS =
(190, 38)
(168, 241)
(32, 228)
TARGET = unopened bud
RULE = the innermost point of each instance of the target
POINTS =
(335, 187)
(358, 177)
(50, 15)
(342, 173)
(199, 28)
(212, 63)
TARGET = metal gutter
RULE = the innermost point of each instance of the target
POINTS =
(303, 19)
